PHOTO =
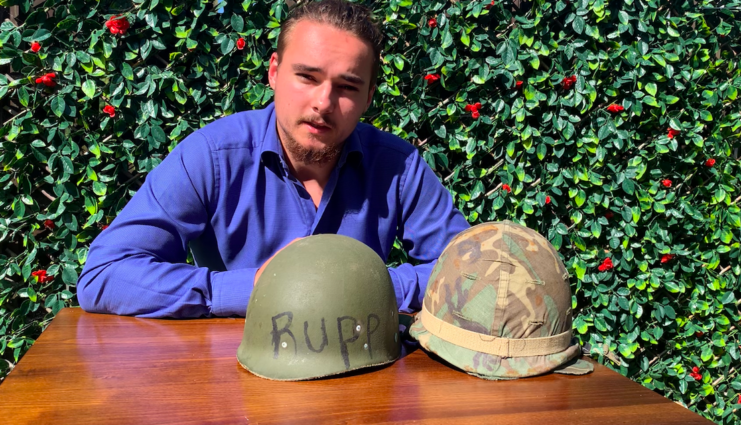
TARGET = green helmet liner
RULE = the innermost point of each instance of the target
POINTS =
(324, 305)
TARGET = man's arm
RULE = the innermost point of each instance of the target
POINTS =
(428, 221)
(137, 265)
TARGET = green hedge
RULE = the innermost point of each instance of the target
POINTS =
(609, 126)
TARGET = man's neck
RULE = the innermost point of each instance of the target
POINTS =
(318, 173)
(313, 177)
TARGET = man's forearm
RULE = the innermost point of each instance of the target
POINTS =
(130, 283)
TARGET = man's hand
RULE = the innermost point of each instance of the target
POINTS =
(259, 271)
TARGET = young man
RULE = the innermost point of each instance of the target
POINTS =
(243, 187)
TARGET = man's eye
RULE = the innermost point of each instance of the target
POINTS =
(306, 77)
(351, 88)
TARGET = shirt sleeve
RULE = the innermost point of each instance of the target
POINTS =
(428, 222)
(137, 266)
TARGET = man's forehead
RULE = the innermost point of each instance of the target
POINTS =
(312, 43)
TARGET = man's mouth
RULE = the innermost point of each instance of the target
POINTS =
(317, 127)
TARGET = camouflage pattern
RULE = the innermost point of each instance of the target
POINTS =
(504, 280)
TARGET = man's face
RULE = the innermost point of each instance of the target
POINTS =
(322, 87)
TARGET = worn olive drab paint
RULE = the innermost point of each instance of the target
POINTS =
(324, 305)
(501, 288)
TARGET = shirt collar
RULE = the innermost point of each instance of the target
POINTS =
(352, 147)
(271, 143)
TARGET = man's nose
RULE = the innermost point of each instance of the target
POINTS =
(324, 99)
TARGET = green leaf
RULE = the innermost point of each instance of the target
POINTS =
(600, 324)
(465, 39)
(227, 45)
(69, 275)
(127, 72)
(23, 96)
(592, 31)
(57, 105)
(624, 17)
(88, 87)
(596, 229)
(728, 298)
(40, 35)
(237, 23)
(628, 186)
(672, 287)
(441, 131)
(66, 24)
(581, 196)
(535, 62)
(651, 101)
(148, 109)
(670, 100)
(651, 89)
(19, 209)
(581, 325)
(541, 151)
(31, 294)
(556, 241)
(67, 165)
(707, 390)
(447, 40)
(568, 131)
(580, 267)
(578, 24)
(99, 188)
(151, 20)
(158, 134)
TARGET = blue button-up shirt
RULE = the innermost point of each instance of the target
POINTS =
(226, 193)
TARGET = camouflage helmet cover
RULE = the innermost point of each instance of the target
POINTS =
(498, 305)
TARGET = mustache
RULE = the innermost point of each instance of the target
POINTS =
(318, 120)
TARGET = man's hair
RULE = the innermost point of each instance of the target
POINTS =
(354, 18)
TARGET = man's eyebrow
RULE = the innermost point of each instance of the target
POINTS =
(298, 67)
(352, 78)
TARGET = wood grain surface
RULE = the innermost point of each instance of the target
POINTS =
(100, 369)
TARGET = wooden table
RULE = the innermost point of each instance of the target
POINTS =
(98, 369)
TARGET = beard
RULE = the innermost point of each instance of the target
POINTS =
(310, 156)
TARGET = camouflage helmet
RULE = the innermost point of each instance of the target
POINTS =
(498, 305)
(323, 305)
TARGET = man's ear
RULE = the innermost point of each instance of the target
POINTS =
(370, 97)
(273, 69)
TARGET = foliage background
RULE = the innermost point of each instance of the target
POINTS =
(670, 64)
